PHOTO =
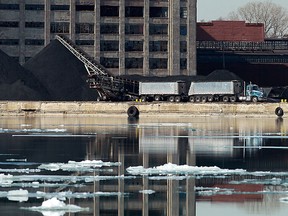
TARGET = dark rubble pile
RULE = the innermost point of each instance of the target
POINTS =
(61, 73)
(16, 83)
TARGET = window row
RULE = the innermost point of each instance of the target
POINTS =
(38, 42)
(130, 11)
(130, 46)
(154, 63)
(63, 27)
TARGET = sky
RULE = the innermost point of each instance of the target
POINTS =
(214, 9)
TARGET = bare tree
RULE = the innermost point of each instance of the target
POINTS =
(273, 16)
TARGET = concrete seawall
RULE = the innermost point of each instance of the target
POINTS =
(162, 108)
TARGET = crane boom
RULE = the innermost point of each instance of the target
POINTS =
(109, 87)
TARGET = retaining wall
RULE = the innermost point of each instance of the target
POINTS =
(163, 108)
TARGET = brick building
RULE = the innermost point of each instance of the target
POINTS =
(230, 31)
(145, 37)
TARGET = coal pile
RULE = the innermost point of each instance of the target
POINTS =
(61, 73)
(222, 75)
(16, 83)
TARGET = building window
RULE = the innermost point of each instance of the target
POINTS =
(183, 46)
(134, 46)
(9, 42)
(9, 6)
(60, 7)
(183, 30)
(84, 28)
(34, 7)
(134, 63)
(84, 42)
(158, 46)
(34, 24)
(158, 12)
(109, 45)
(9, 24)
(59, 27)
(134, 11)
(134, 29)
(183, 12)
(37, 42)
(109, 29)
(155, 29)
(158, 63)
(109, 62)
(183, 63)
(109, 11)
(84, 7)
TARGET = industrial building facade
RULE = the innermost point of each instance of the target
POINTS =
(145, 37)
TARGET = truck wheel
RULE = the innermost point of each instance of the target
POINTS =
(177, 99)
(133, 111)
(171, 98)
(210, 98)
(198, 99)
(254, 99)
(157, 97)
(192, 99)
(225, 99)
(204, 99)
(233, 99)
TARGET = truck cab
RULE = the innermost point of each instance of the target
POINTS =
(254, 93)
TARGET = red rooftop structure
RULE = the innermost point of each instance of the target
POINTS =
(230, 31)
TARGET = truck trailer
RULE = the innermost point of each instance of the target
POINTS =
(226, 91)
(157, 91)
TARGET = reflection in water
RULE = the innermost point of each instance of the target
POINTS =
(41, 156)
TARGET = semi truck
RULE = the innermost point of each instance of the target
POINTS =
(201, 91)
(226, 91)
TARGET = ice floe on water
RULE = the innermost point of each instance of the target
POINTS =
(32, 130)
(55, 207)
(78, 166)
(25, 170)
(147, 191)
(22, 195)
(170, 169)
(9, 179)
(18, 195)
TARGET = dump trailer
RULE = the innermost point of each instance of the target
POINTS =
(226, 91)
(157, 91)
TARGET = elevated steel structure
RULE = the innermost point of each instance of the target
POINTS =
(247, 46)
(109, 87)
(269, 51)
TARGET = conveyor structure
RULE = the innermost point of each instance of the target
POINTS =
(109, 87)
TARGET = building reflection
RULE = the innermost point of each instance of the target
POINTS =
(230, 143)
(147, 146)
(153, 145)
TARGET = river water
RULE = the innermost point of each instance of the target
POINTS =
(148, 166)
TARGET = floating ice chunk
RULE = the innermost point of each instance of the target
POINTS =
(284, 200)
(6, 179)
(18, 195)
(55, 207)
(170, 168)
(74, 166)
(26, 170)
(147, 191)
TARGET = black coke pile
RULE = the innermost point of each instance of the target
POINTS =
(16, 83)
(61, 73)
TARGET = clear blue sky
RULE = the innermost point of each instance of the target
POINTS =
(214, 9)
